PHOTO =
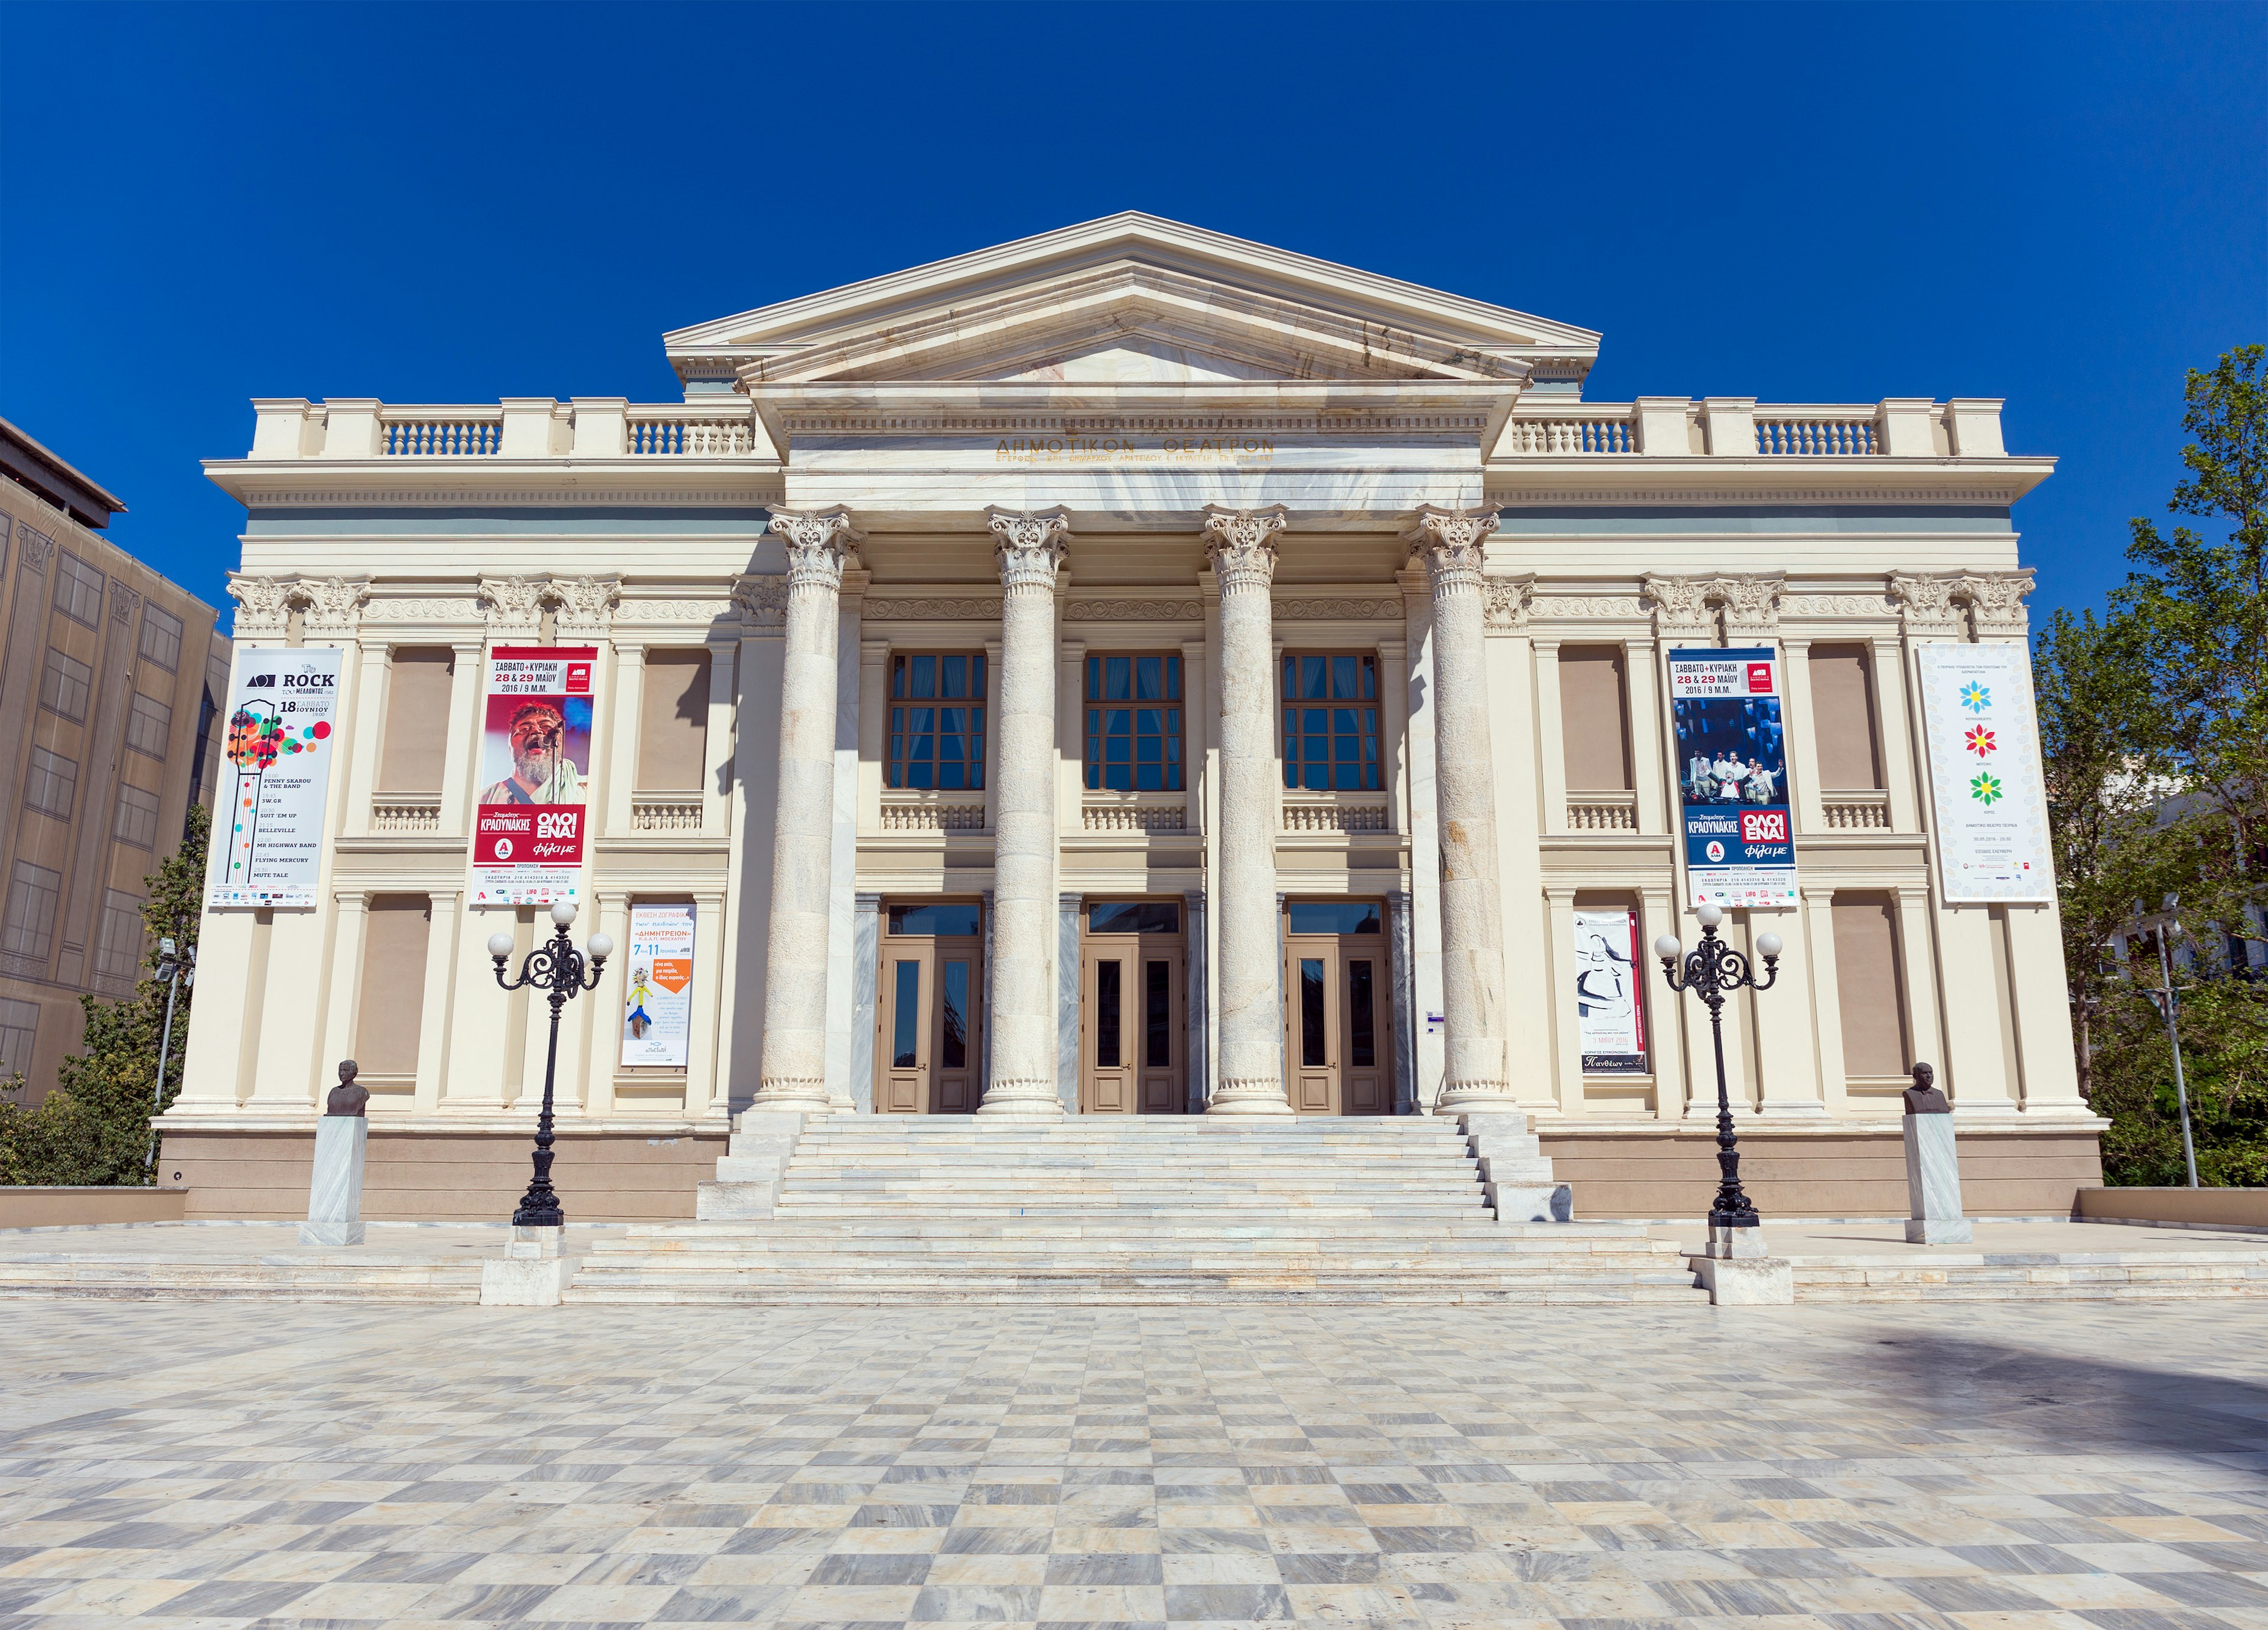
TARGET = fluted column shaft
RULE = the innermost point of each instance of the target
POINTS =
(1473, 1005)
(795, 959)
(1021, 1083)
(1242, 547)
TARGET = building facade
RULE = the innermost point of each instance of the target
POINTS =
(109, 678)
(1129, 670)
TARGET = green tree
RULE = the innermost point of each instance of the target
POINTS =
(94, 1128)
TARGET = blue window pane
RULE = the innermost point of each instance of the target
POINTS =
(1174, 678)
(1117, 679)
(922, 776)
(1149, 678)
(976, 675)
(1369, 678)
(1147, 721)
(950, 775)
(953, 677)
(1343, 679)
(924, 676)
(905, 1021)
(1311, 677)
(1343, 720)
(1315, 720)
(1117, 750)
(921, 720)
(946, 919)
(1148, 749)
(1118, 778)
(1147, 778)
(898, 676)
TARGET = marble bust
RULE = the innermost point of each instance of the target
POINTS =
(348, 1099)
(1923, 1097)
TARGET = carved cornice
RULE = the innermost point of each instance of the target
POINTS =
(515, 605)
(1506, 601)
(586, 604)
(1453, 542)
(333, 604)
(1241, 544)
(1030, 545)
(263, 605)
(1760, 493)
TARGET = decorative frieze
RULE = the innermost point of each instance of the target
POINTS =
(1336, 611)
(421, 611)
(1586, 608)
(937, 610)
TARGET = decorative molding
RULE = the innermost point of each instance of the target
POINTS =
(1506, 600)
(1927, 604)
(1131, 610)
(515, 605)
(1996, 600)
(1836, 606)
(263, 605)
(1336, 611)
(1750, 605)
(674, 610)
(761, 599)
(969, 610)
(421, 611)
(585, 605)
(124, 603)
(1587, 608)
(34, 547)
(1681, 606)
(333, 604)
(1761, 493)
(741, 497)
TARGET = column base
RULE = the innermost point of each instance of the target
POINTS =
(1021, 1101)
(1250, 1098)
(791, 1098)
(1477, 1098)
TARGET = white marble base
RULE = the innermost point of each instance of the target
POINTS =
(1736, 1245)
(1749, 1282)
(1940, 1231)
(334, 1186)
(1933, 1182)
(519, 1283)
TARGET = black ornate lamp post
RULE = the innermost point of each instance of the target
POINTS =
(1711, 969)
(559, 970)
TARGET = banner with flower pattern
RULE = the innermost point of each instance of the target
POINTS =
(1984, 771)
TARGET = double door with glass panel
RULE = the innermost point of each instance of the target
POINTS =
(1133, 1009)
(930, 1010)
(1338, 1011)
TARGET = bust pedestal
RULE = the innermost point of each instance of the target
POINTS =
(334, 1190)
(1934, 1184)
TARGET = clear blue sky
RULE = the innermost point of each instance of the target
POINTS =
(2065, 206)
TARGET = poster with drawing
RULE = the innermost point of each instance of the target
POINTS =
(1610, 994)
(1731, 765)
(277, 748)
(657, 998)
(1984, 774)
(535, 772)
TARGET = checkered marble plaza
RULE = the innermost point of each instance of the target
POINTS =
(2017, 1466)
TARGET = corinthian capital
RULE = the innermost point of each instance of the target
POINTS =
(515, 605)
(263, 605)
(1241, 545)
(1451, 540)
(1751, 607)
(1996, 600)
(762, 598)
(1031, 544)
(817, 541)
(1681, 606)
(333, 604)
(1925, 604)
(586, 604)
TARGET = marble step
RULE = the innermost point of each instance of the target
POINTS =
(2145, 1275)
(1194, 1291)
(1041, 1241)
(126, 1276)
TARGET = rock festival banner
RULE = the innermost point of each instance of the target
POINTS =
(282, 709)
(1609, 1000)
(1984, 773)
(1731, 764)
(658, 1003)
(535, 771)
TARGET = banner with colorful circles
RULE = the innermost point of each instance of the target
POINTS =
(276, 777)
(1984, 774)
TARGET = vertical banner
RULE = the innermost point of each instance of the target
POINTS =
(283, 705)
(1731, 762)
(535, 765)
(1984, 774)
(658, 1004)
(1609, 1000)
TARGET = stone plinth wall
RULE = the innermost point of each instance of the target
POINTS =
(467, 1177)
(1838, 1172)
(62, 1208)
(2216, 1208)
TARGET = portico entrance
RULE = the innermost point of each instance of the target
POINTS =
(930, 1011)
(1133, 960)
(1339, 1046)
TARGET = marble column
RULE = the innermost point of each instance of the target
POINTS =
(1241, 545)
(1021, 1082)
(1449, 543)
(794, 1077)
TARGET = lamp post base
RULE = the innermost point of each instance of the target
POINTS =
(1728, 1245)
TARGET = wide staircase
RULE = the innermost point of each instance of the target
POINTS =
(1145, 1211)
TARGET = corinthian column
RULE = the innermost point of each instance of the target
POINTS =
(803, 831)
(1021, 1083)
(1241, 545)
(1464, 780)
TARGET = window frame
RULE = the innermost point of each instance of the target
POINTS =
(69, 570)
(127, 791)
(83, 679)
(135, 717)
(111, 961)
(39, 776)
(1368, 766)
(1170, 737)
(36, 944)
(898, 763)
(151, 613)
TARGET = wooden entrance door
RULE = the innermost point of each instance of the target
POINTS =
(1132, 1048)
(929, 1011)
(1338, 1014)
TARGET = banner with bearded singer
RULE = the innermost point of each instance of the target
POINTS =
(535, 769)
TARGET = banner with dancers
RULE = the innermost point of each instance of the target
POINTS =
(1732, 758)
(535, 767)
(268, 822)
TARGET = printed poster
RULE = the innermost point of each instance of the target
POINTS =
(658, 1001)
(1610, 994)
(1732, 760)
(282, 706)
(535, 771)
(1984, 774)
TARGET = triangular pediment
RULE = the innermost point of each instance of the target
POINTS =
(1129, 301)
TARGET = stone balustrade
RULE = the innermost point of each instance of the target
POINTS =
(406, 813)
(1856, 812)
(666, 812)
(1602, 811)
(1542, 428)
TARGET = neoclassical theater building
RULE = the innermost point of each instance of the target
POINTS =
(1130, 671)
